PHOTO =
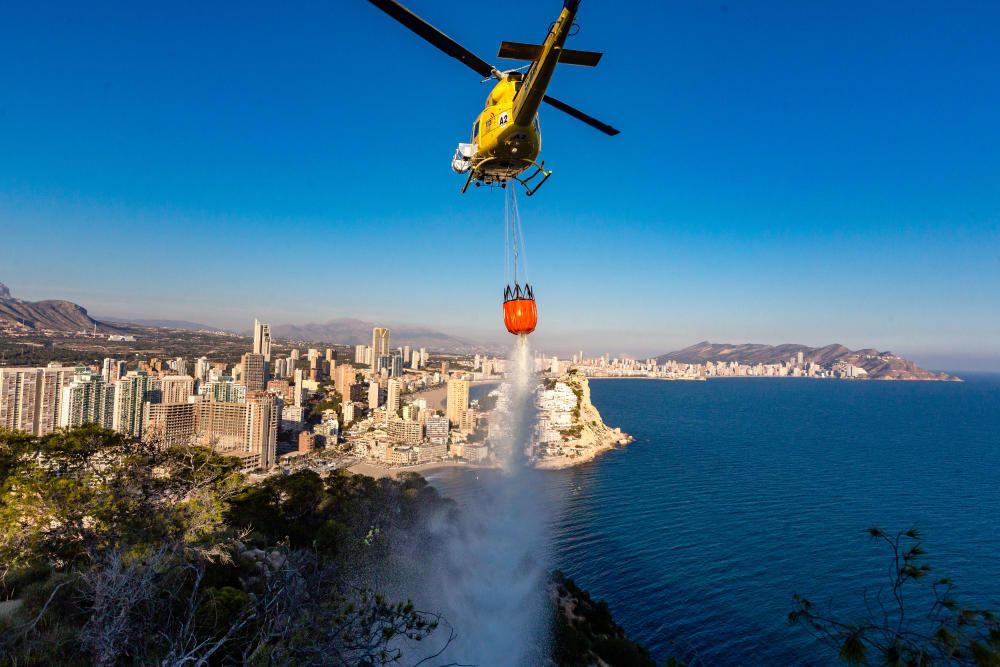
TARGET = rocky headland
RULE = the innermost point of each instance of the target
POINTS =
(571, 429)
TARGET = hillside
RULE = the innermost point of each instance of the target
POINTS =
(879, 365)
(181, 325)
(50, 315)
(68, 317)
(172, 557)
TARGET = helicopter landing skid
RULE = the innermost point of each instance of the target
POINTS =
(468, 181)
(526, 182)
(476, 176)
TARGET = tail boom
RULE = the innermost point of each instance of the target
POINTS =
(536, 81)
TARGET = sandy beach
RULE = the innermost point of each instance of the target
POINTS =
(437, 397)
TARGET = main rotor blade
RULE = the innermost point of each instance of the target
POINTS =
(579, 115)
(434, 36)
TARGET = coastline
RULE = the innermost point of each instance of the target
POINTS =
(645, 377)
(563, 462)
(379, 471)
(593, 437)
(771, 377)
(584, 455)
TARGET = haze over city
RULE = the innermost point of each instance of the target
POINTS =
(784, 173)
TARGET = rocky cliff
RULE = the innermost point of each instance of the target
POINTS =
(586, 436)
(593, 431)
(585, 632)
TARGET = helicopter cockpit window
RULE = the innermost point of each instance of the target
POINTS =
(475, 130)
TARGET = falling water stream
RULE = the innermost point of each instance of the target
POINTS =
(489, 579)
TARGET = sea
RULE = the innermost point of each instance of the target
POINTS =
(739, 493)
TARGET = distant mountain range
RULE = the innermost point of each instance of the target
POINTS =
(349, 331)
(879, 365)
(66, 316)
(164, 324)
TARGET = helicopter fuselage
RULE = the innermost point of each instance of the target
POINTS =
(500, 148)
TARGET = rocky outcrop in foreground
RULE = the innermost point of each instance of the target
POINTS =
(585, 632)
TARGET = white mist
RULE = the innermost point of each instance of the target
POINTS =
(490, 583)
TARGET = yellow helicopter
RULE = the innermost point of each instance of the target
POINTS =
(506, 138)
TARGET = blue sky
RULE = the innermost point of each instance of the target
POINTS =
(786, 172)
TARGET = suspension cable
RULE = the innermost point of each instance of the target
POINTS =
(515, 227)
(523, 250)
(515, 251)
(506, 240)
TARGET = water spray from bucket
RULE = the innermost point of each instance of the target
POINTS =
(490, 579)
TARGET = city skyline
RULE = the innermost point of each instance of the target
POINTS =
(243, 409)
(818, 179)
